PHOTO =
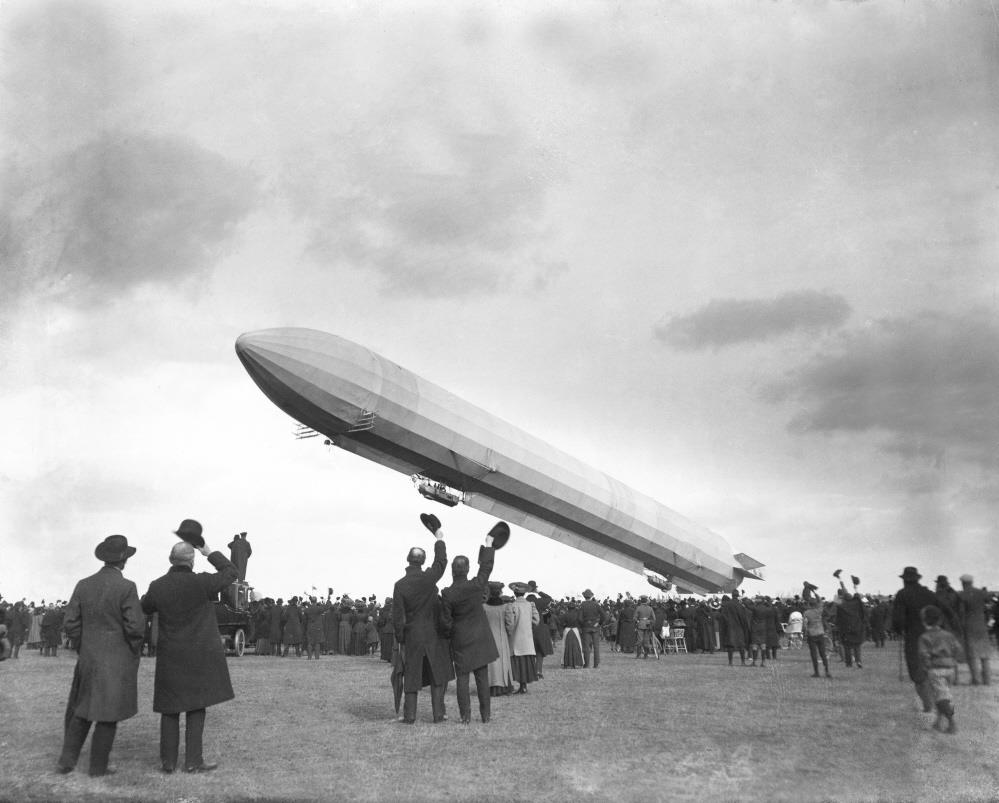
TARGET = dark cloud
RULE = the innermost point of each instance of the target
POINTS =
(118, 211)
(926, 384)
(725, 322)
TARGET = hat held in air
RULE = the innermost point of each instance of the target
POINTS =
(190, 531)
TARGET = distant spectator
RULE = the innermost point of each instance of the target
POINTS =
(977, 648)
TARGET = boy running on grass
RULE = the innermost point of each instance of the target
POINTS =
(939, 654)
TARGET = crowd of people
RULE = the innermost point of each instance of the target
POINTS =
(470, 628)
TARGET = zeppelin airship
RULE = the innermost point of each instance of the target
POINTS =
(457, 452)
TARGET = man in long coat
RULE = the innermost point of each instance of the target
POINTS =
(426, 655)
(191, 669)
(314, 627)
(239, 553)
(464, 622)
(20, 624)
(52, 625)
(591, 618)
(105, 620)
(977, 647)
(734, 627)
(907, 620)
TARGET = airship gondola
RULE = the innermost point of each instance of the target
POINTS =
(366, 404)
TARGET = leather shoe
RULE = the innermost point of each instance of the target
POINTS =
(108, 771)
(167, 769)
(62, 769)
(202, 767)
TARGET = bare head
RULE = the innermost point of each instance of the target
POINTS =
(182, 554)
(459, 567)
(416, 557)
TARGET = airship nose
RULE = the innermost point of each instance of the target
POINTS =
(247, 342)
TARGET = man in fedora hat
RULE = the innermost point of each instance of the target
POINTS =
(464, 622)
(907, 620)
(191, 669)
(105, 620)
(414, 600)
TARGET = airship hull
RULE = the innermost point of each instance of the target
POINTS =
(378, 410)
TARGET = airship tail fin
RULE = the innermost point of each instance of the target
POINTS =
(748, 567)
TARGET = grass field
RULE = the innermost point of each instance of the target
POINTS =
(687, 727)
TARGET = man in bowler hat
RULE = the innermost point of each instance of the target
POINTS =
(105, 620)
(464, 623)
(191, 669)
(426, 655)
(907, 620)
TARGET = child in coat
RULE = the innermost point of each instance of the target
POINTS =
(939, 653)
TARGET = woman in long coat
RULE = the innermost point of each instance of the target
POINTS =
(626, 627)
(572, 654)
(521, 616)
(344, 633)
(359, 629)
(500, 673)
(331, 628)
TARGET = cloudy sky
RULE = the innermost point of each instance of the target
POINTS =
(741, 256)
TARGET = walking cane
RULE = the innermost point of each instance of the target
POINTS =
(900, 642)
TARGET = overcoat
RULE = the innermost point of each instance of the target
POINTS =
(521, 616)
(105, 620)
(734, 625)
(274, 632)
(906, 619)
(331, 627)
(291, 619)
(851, 621)
(975, 624)
(765, 625)
(314, 623)
(20, 624)
(500, 673)
(463, 619)
(414, 599)
(239, 552)
(191, 670)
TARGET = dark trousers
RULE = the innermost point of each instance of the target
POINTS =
(590, 644)
(100, 746)
(465, 697)
(851, 653)
(817, 649)
(436, 703)
(194, 727)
